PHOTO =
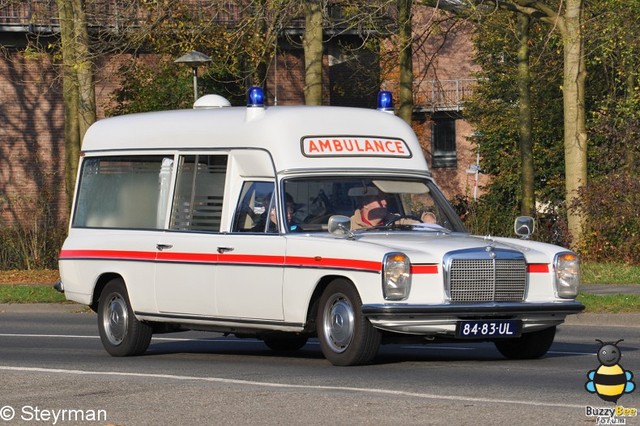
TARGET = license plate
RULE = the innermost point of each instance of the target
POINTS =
(479, 329)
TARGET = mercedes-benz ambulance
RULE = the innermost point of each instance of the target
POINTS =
(242, 220)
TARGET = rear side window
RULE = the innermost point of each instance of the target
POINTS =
(123, 192)
(197, 203)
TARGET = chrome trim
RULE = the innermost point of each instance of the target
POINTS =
(398, 310)
(489, 252)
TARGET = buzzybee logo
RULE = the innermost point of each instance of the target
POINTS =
(609, 381)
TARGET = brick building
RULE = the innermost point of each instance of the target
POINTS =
(31, 110)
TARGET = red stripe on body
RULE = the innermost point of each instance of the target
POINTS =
(424, 269)
(538, 268)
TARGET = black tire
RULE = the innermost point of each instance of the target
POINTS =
(120, 331)
(346, 336)
(285, 342)
(528, 346)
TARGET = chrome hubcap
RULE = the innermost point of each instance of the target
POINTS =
(339, 323)
(116, 320)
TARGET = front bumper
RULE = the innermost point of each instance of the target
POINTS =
(441, 320)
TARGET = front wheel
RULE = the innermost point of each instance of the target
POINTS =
(346, 335)
(120, 331)
(528, 346)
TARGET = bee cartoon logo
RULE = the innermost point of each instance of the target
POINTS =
(609, 381)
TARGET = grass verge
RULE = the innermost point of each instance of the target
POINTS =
(610, 303)
(30, 294)
(610, 273)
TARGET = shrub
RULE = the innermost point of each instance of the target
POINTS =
(487, 217)
(611, 204)
(34, 240)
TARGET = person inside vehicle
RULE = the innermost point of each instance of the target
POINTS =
(373, 211)
(272, 225)
(429, 217)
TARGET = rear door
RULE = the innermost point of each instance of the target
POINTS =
(187, 252)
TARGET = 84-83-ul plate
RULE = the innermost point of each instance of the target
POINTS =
(480, 329)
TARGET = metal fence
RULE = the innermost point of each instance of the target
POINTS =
(445, 95)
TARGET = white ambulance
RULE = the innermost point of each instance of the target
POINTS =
(289, 223)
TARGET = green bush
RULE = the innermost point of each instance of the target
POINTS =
(487, 216)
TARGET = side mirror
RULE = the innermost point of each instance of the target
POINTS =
(340, 226)
(524, 226)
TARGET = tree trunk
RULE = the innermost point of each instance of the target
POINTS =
(527, 206)
(405, 101)
(575, 136)
(70, 96)
(312, 44)
(84, 69)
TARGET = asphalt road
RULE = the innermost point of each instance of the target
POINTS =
(52, 366)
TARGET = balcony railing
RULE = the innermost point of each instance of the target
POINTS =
(445, 95)
(42, 15)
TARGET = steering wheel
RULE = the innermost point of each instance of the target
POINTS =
(395, 217)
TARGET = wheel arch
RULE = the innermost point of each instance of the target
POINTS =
(101, 282)
(314, 301)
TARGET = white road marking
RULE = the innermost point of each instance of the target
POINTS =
(457, 398)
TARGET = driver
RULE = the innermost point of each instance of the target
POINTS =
(372, 212)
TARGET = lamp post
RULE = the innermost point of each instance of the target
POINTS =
(194, 59)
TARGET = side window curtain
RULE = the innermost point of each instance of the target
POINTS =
(253, 212)
(197, 201)
(123, 192)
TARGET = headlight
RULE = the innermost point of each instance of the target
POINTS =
(396, 276)
(567, 269)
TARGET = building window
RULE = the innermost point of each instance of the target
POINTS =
(443, 143)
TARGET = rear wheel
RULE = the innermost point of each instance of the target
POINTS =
(528, 346)
(346, 335)
(120, 331)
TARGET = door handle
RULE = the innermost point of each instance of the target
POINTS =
(163, 246)
(224, 249)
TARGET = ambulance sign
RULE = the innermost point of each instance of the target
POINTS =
(354, 146)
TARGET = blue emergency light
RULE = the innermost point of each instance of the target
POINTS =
(256, 97)
(385, 101)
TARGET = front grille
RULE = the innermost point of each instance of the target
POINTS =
(486, 280)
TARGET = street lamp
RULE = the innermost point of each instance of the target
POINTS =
(194, 59)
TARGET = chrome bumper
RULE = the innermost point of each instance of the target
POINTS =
(434, 320)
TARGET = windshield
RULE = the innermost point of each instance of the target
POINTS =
(371, 203)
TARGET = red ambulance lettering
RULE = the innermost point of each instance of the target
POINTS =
(354, 146)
